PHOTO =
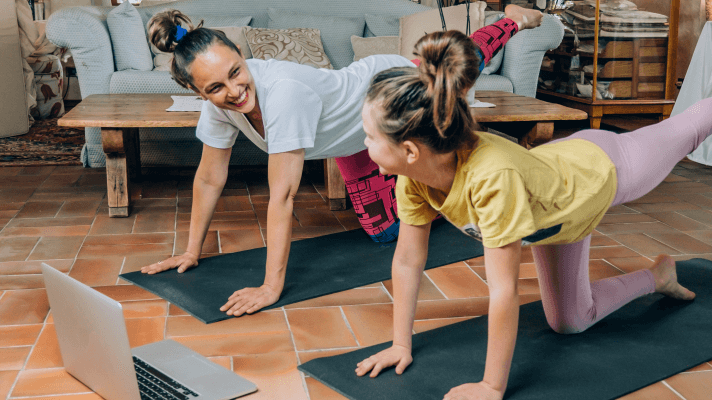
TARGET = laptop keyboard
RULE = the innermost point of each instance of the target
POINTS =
(154, 385)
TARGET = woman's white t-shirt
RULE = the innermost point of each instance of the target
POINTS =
(318, 110)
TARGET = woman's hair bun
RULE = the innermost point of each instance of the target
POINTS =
(163, 26)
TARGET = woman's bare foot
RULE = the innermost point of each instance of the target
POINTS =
(525, 18)
(665, 274)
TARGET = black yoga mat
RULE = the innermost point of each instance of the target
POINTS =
(649, 339)
(316, 267)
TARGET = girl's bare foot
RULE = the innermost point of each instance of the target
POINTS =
(525, 18)
(665, 274)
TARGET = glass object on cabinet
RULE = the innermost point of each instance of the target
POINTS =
(626, 41)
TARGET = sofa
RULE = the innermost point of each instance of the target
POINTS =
(84, 31)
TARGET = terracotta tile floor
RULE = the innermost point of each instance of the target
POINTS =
(59, 215)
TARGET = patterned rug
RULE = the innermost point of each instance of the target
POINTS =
(45, 144)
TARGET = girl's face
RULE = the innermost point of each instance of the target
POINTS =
(221, 76)
(390, 157)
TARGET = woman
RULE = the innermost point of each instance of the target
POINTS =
(293, 112)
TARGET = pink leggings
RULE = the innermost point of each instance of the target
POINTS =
(643, 158)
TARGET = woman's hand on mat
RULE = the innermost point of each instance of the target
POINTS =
(473, 391)
(249, 300)
(395, 355)
(182, 262)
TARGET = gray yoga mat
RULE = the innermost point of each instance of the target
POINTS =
(316, 267)
(647, 340)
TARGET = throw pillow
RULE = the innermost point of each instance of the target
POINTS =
(364, 47)
(300, 45)
(335, 32)
(496, 61)
(233, 30)
(382, 25)
(128, 39)
(415, 26)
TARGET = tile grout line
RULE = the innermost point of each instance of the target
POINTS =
(673, 390)
(434, 285)
(302, 376)
(348, 325)
(383, 287)
(24, 365)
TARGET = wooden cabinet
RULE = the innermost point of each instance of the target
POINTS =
(615, 58)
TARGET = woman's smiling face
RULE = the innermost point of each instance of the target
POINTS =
(221, 75)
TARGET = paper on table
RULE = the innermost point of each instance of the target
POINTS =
(481, 104)
(186, 103)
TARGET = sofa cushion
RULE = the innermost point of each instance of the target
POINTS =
(415, 26)
(496, 61)
(364, 47)
(233, 30)
(144, 82)
(381, 25)
(335, 32)
(493, 82)
(300, 45)
(128, 39)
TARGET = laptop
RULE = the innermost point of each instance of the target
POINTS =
(95, 349)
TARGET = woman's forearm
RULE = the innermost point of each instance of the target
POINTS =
(205, 198)
(279, 240)
(501, 337)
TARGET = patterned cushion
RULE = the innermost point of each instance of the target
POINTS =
(128, 39)
(233, 30)
(364, 47)
(45, 64)
(49, 94)
(382, 25)
(300, 45)
(335, 32)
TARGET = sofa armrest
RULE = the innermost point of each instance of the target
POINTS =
(84, 32)
(525, 51)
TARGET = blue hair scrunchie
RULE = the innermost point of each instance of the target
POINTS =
(180, 32)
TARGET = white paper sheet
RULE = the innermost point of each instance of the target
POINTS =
(481, 104)
(186, 103)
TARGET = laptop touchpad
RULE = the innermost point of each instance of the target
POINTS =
(192, 366)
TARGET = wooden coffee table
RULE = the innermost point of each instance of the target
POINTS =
(120, 116)
(529, 120)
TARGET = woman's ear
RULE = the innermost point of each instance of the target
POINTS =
(412, 151)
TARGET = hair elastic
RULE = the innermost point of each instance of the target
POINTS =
(180, 32)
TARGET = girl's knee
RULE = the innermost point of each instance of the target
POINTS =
(566, 327)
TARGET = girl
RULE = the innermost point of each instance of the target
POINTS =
(295, 113)
(418, 125)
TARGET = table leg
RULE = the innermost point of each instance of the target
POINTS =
(122, 161)
(335, 186)
(541, 133)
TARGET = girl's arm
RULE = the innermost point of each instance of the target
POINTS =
(502, 269)
(408, 263)
(207, 187)
(284, 174)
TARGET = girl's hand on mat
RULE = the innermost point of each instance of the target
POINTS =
(473, 391)
(249, 300)
(395, 355)
(182, 262)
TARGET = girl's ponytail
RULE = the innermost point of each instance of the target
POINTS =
(429, 103)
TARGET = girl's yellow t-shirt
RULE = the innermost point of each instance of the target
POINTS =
(552, 194)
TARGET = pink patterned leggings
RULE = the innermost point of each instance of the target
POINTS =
(371, 193)
(643, 158)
